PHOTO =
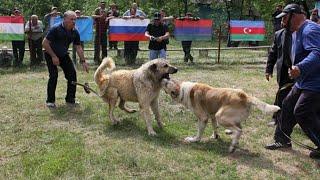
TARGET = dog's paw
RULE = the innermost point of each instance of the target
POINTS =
(232, 149)
(228, 131)
(161, 125)
(191, 139)
(152, 133)
(215, 136)
(115, 122)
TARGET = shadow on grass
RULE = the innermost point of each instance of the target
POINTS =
(133, 126)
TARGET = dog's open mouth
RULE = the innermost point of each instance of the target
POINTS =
(166, 76)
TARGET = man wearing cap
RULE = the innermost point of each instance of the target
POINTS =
(302, 105)
(34, 29)
(49, 18)
(18, 46)
(56, 44)
(113, 13)
(74, 47)
(100, 38)
(157, 32)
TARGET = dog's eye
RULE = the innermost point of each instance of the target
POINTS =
(166, 65)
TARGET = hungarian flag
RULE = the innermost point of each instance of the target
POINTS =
(128, 29)
(193, 30)
(247, 30)
(11, 28)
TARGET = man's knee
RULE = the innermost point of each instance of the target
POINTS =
(301, 113)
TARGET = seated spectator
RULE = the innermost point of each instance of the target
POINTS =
(34, 29)
(6, 57)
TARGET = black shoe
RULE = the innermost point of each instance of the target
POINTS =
(315, 154)
(278, 145)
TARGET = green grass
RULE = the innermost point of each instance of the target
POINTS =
(81, 143)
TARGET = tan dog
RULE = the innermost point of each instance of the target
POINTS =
(224, 106)
(141, 85)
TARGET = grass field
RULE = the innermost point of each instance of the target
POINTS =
(81, 143)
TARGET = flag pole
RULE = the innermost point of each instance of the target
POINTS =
(219, 43)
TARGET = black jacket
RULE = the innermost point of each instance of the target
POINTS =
(276, 57)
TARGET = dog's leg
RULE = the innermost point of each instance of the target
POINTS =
(146, 115)
(112, 100)
(235, 139)
(214, 127)
(122, 106)
(202, 122)
(155, 110)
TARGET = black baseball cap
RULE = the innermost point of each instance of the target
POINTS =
(157, 16)
(291, 8)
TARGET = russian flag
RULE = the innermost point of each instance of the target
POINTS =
(11, 28)
(128, 29)
(193, 30)
(243, 30)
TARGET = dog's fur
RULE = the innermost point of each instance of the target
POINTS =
(141, 85)
(224, 106)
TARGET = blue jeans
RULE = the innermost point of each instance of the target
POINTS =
(154, 54)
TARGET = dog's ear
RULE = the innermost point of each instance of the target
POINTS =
(153, 68)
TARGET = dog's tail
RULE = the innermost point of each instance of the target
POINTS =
(264, 107)
(100, 78)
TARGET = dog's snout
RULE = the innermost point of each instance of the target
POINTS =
(174, 70)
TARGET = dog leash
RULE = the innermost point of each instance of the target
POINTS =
(288, 85)
(86, 88)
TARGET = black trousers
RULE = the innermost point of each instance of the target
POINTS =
(18, 52)
(69, 73)
(131, 51)
(280, 96)
(186, 46)
(100, 43)
(302, 107)
(36, 54)
(113, 44)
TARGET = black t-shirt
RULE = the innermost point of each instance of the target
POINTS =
(60, 39)
(157, 31)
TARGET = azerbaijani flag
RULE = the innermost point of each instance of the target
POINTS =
(128, 29)
(193, 30)
(243, 30)
(11, 28)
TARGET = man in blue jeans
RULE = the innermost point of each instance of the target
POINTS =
(158, 33)
(302, 105)
(56, 44)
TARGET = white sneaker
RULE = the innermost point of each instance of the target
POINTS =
(51, 105)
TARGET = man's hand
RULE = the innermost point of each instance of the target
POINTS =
(85, 67)
(294, 72)
(268, 76)
(159, 39)
(55, 61)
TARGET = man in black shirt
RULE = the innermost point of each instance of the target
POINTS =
(56, 44)
(158, 33)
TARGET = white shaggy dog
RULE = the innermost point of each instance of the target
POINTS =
(224, 106)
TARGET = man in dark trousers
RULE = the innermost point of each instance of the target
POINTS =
(157, 32)
(18, 46)
(276, 57)
(100, 38)
(302, 104)
(56, 44)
